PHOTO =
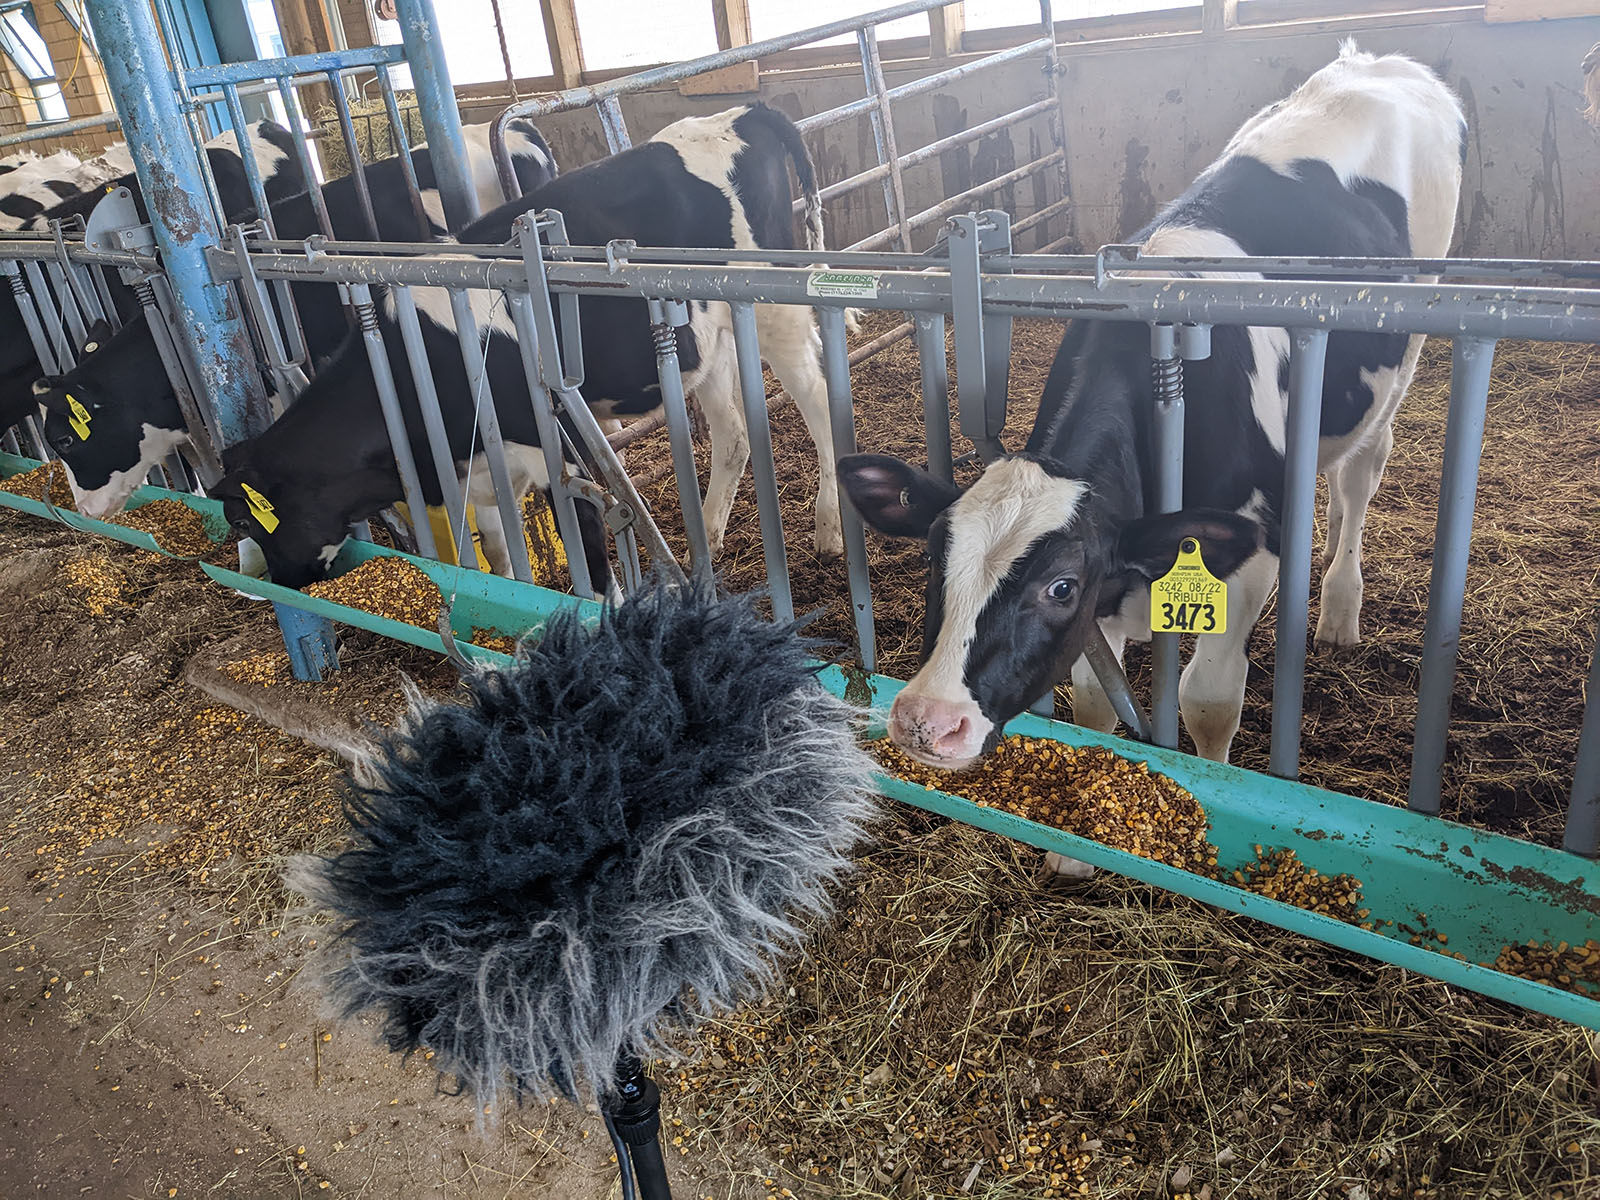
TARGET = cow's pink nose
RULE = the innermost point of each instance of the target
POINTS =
(940, 732)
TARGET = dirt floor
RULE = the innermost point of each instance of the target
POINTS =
(956, 1029)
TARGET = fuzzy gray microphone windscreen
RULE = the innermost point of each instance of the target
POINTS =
(609, 840)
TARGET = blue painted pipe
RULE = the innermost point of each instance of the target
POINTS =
(436, 103)
(169, 171)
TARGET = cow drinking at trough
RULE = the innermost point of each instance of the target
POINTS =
(1363, 159)
(720, 181)
(136, 420)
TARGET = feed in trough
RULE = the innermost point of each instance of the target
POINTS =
(1571, 968)
(1280, 875)
(31, 484)
(386, 587)
(1084, 790)
(176, 528)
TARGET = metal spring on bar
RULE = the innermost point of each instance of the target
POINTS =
(665, 338)
(145, 293)
(18, 288)
(367, 315)
(1168, 376)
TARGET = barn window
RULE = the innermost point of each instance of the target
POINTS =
(20, 40)
(774, 18)
(640, 33)
(999, 14)
(73, 12)
(472, 48)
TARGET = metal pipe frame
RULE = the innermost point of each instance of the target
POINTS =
(1583, 811)
(436, 103)
(1470, 364)
(488, 424)
(841, 409)
(935, 369)
(883, 139)
(753, 392)
(1302, 433)
(665, 318)
(1167, 420)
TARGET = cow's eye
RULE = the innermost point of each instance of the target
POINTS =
(62, 442)
(1062, 590)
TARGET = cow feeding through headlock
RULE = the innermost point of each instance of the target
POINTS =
(1363, 159)
(719, 182)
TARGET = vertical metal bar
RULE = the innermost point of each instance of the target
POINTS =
(252, 170)
(436, 103)
(65, 355)
(1166, 658)
(393, 418)
(9, 442)
(30, 317)
(98, 274)
(289, 378)
(1472, 360)
(935, 394)
(1307, 356)
(358, 170)
(69, 304)
(302, 150)
(894, 187)
(1060, 119)
(1115, 684)
(402, 147)
(611, 123)
(171, 177)
(753, 389)
(1583, 811)
(665, 317)
(966, 302)
(444, 459)
(555, 462)
(483, 402)
(82, 293)
(836, 371)
(996, 330)
(197, 417)
(36, 436)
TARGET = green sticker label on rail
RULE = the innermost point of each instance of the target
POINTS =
(845, 285)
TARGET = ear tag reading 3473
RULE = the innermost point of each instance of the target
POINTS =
(79, 418)
(1189, 598)
(260, 508)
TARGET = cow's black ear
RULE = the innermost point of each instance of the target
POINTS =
(1148, 546)
(893, 496)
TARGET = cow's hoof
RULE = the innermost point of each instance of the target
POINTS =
(1338, 633)
(830, 545)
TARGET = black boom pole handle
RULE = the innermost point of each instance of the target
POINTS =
(634, 1115)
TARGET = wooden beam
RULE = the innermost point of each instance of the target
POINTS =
(947, 27)
(733, 23)
(304, 26)
(1217, 16)
(566, 47)
(1539, 10)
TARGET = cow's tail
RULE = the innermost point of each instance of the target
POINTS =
(806, 173)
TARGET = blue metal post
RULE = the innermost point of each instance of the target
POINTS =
(436, 103)
(169, 171)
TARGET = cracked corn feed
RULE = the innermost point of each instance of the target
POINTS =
(1083, 790)
(386, 587)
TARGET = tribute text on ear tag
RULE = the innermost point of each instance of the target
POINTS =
(260, 508)
(79, 418)
(1189, 598)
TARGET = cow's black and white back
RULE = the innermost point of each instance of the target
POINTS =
(1363, 159)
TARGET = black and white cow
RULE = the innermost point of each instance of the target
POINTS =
(31, 185)
(1363, 159)
(136, 418)
(719, 181)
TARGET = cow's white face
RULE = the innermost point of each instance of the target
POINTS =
(1020, 566)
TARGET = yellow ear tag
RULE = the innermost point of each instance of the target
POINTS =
(1189, 598)
(79, 420)
(260, 509)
